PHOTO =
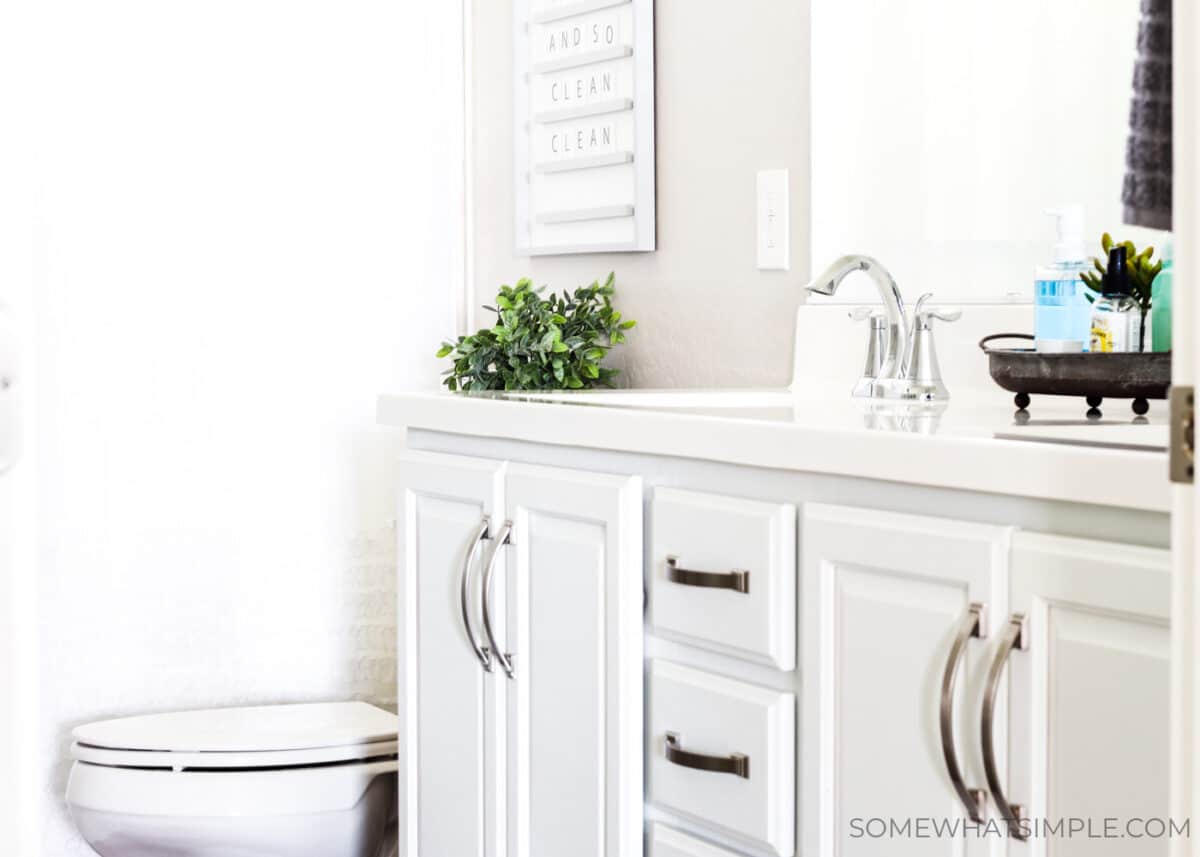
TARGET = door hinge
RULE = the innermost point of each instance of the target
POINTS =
(1183, 434)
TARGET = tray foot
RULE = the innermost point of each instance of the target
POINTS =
(1141, 407)
(1021, 400)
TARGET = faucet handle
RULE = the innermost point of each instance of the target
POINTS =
(865, 313)
(922, 375)
(877, 347)
(954, 315)
(922, 317)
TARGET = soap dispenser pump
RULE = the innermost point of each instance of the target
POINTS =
(1070, 248)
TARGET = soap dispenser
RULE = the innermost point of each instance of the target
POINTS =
(1062, 313)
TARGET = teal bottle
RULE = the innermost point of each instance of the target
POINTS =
(1160, 301)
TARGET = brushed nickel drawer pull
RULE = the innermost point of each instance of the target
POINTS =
(973, 800)
(504, 537)
(481, 651)
(1013, 639)
(737, 580)
(735, 763)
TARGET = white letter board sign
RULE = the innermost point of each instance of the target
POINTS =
(584, 126)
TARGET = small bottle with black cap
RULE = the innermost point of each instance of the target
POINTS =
(1116, 317)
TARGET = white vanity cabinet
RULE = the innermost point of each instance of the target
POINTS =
(521, 721)
(1032, 670)
(799, 664)
(1088, 679)
(890, 601)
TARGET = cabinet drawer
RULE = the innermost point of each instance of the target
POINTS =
(723, 574)
(723, 753)
(669, 842)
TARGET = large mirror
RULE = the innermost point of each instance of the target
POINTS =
(942, 130)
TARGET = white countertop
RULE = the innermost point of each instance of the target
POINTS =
(973, 444)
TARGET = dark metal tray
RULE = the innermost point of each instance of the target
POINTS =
(1027, 372)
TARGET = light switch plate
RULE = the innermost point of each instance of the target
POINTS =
(774, 227)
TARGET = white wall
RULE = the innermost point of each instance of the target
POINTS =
(732, 98)
(19, 800)
(234, 222)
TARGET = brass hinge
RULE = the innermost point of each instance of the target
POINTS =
(1183, 434)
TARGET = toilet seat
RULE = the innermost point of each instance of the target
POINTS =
(185, 761)
(301, 780)
(263, 737)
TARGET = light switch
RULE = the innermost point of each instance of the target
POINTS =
(774, 227)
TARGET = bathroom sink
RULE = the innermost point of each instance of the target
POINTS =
(1054, 420)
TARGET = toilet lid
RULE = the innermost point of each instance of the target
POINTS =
(264, 729)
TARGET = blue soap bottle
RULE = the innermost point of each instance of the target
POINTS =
(1062, 312)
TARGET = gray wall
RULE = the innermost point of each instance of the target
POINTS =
(732, 98)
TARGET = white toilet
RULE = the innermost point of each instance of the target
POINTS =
(277, 781)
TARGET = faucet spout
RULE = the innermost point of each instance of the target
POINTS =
(827, 282)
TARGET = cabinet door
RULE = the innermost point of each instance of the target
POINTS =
(885, 596)
(451, 712)
(574, 612)
(1090, 691)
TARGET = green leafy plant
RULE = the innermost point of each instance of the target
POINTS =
(539, 343)
(1142, 271)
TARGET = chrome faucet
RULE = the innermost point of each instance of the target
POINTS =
(889, 381)
(901, 361)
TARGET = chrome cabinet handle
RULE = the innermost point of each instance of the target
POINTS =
(505, 659)
(973, 800)
(735, 763)
(737, 580)
(481, 652)
(1013, 638)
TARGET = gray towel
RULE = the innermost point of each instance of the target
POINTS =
(1147, 191)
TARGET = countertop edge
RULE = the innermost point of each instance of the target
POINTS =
(1115, 478)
